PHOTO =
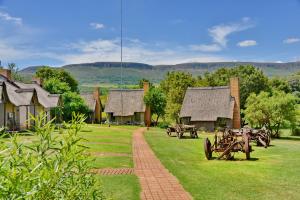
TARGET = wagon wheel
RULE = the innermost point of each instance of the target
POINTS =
(268, 140)
(195, 134)
(247, 146)
(207, 149)
(178, 132)
(192, 134)
(169, 132)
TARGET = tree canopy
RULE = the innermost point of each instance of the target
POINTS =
(271, 110)
(174, 87)
(46, 73)
(156, 99)
(73, 103)
(252, 80)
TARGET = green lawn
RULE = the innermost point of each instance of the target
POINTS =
(272, 173)
(114, 139)
(104, 139)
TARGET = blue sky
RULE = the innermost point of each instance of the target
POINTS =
(56, 32)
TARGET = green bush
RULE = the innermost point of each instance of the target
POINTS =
(163, 125)
(296, 131)
(54, 167)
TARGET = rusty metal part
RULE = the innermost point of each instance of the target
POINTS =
(227, 143)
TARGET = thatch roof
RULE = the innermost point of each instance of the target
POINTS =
(46, 99)
(125, 102)
(18, 97)
(207, 103)
(89, 100)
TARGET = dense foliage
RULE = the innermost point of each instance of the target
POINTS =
(56, 86)
(174, 87)
(58, 81)
(271, 110)
(47, 74)
(252, 80)
(73, 103)
(51, 168)
(156, 99)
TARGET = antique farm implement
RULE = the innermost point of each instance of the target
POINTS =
(262, 137)
(180, 129)
(226, 143)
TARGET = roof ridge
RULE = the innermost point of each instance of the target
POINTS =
(126, 90)
(208, 88)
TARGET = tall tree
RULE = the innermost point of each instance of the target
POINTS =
(156, 99)
(14, 72)
(280, 84)
(174, 87)
(72, 102)
(46, 73)
(252, 80)
(271, 110)
(55, 86)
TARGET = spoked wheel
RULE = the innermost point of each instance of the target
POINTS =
(192, 134)
(207, 149)
(229, 156)
(246, 146)
(179, 134)
(169, 132)
(268, 140)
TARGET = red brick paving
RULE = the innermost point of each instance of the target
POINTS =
(156, 181)
(113, 171)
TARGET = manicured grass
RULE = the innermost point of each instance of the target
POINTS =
(121, 187)
(272, 173)
(104, 139)
(114, 139)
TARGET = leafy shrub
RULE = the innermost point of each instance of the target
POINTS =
(296, 131)
(163, 125)
(54, 167)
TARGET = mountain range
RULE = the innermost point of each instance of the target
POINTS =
(89, 74)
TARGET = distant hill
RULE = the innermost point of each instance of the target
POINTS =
(110, 72)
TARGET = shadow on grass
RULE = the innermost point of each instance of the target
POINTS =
(235, 159)
(183, 137)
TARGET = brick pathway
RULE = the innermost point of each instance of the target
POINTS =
(113, 171)
(156, 181)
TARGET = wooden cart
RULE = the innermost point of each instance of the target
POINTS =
(262, 137)
(227, 143)
(180, 129)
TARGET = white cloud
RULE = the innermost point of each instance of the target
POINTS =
(97, 25)
(220, 33)
(109, 50)
(206, 47)
(291, 40)
(6, 17)
(247, 43)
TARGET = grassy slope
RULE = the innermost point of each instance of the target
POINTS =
(272, 173)
(98, 139)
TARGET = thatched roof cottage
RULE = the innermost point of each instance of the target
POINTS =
(19, 100)
(211, 107)
(126, 106)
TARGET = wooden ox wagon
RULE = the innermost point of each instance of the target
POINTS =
(227, 143)
(180, 129)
